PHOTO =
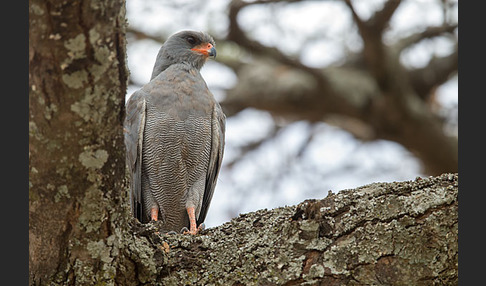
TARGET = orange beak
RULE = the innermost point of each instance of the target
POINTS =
(206, 49)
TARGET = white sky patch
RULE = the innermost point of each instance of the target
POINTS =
(419, 55)
(365, 9)
(141, 57)
(291, 28)
(248, 126)
(257, 21)
(447, 93)
(130, 90)
(218, 75)
(329, 139)
(291, 138)
(141, 16)
(168, 17)
(413, 16)
(442, 46)
(321, 53)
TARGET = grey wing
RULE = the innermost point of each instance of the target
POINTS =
(134, 127)
(218, 126)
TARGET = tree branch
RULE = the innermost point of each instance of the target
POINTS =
(140, 35)
(379, 21)
(437, 72)
(428, 33)
(382, 233)
(362, 25)
(374, 51)
(237, 35)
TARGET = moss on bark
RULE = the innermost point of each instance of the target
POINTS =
(401, 233)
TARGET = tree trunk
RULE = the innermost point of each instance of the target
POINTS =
(77, 85)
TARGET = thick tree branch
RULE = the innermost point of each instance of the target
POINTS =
(382, 233)
(374, 51)
(379, 21)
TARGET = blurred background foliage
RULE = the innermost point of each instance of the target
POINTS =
(319, 95)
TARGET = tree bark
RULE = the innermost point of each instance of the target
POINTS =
(77, 85)
(401, 233)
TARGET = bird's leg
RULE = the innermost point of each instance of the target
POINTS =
(154, 213)
(192, 221)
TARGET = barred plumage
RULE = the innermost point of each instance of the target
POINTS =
(175, 137)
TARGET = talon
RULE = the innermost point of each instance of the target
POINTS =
(191, 232)
(202, 226)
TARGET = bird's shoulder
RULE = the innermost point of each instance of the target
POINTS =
(135, 104)
(179, 89)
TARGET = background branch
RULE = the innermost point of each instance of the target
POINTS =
(428, 33)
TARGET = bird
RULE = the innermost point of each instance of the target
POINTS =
(174, 135)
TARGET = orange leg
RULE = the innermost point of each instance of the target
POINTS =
(192, 220)
(154, 213)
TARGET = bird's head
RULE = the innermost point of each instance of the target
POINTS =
(191, 47)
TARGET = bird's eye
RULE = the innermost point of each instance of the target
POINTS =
(191, 40)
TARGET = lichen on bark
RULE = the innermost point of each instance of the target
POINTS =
(77, 80)
(399, 233)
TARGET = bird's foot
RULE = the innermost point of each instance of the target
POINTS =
(193, 232)
(201, 227)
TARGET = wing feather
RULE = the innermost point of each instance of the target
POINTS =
(218, 126)
(134, 127)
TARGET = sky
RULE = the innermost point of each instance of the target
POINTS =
(281, 171)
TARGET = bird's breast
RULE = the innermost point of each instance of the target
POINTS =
(176, 146)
